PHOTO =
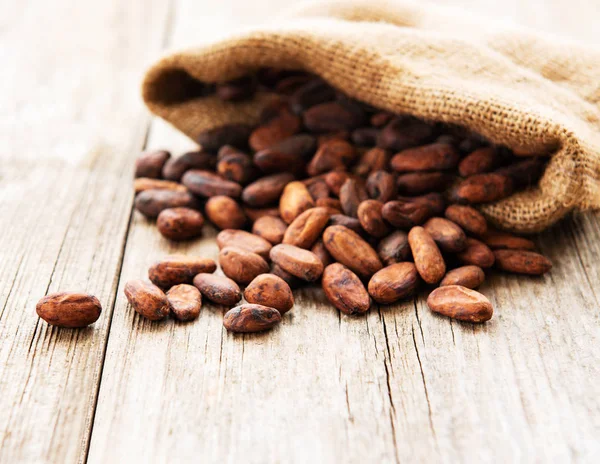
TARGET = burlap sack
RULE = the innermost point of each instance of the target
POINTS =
(532, 93)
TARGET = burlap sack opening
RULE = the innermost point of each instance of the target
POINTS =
(533, 94)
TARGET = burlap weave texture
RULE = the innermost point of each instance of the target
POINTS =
(535, 94)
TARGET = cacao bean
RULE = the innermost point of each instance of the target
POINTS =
(69, 309)
(251, 318)
(477, 253)
(270, 290)
(448, 236)
(344, 290)
(218, 289)
(460, 303)
(245, 241)
(151, 202)
(348, 248)
(242, 265)
(266, 190)
(180, 223)
(294, 200)
(145, 183)
(352, 194)
(371, 219)
(208, 184)
(394, 248)
(479, 161)
(307, 227)
(150, 163)
(185, 302)
(433, 157)
(498, 240)
(301, 263)
(147, 300)
(332, 116)
(381, 186)
(466, 276)
(418, 183)
(225, 213)
(270, 228)
(393, 283)
(174, 168)
(179, 269)
(482, 188)
(235, 135)
(428, 259)
(468, 218)
(522, 262)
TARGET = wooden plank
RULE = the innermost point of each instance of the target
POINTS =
(400, 384)
(70, 124)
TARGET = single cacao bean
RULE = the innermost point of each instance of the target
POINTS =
(371, 219)
(248, 318)
(466, 276)
(381, 186)
(208, 184)
(344, 290)
(266, 190)
(522, 262)
(394, 248)
(460, 303)
(332, 116)
(270, 290)
(179, 269)
(150, 163)
(307, 227)
(428, 259)
(69, 309)
(479, 161)
(393, 283)
(241, 265)
(225, 213)
(147, 300)
(331, 155)
(175, 168)
(352, 194)
(418, 183)
(294, 200)
(151, 202)
(217, 288)
(468, 218)
(245, 241)
(270, 228)
(185, 302)
(180, 223)
(482, 188)
(145, 183)
(448, 235)
(301, 263)
(477, 253)
(498, 240)
(433, 157)
(235, 135)
(348, 248)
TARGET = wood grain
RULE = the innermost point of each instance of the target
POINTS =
(401, 384)
(71, 122)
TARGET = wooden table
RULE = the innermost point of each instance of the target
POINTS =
(400, 384)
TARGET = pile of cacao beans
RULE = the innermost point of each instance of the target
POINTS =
(325, 188)
(375, 205)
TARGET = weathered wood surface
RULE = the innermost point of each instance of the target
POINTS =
(400, 384)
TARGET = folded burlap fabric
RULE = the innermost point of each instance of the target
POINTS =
(535, 94)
